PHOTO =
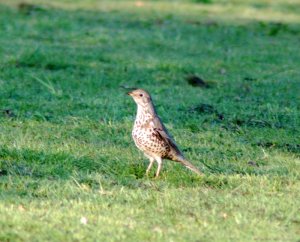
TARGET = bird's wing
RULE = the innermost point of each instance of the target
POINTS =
(163, 134)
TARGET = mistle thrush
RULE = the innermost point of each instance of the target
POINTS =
(151, 136)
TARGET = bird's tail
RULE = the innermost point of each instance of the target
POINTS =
(189, 165)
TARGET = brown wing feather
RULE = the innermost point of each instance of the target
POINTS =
(165, 136)
(175, 153)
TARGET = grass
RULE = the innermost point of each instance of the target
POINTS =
(65, 147)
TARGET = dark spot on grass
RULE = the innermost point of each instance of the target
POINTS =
(220, 116)
(252, 163)
(57, 66)
(21, 64)
(249, 79)
(295, 148)
(187, 149)
(15, 167)
(28, 9)
(3, 172)
(275, 28)
(8, 113)
(204, 108)
(52, 66)
(209, 23)
(196, 81)
(265, 144)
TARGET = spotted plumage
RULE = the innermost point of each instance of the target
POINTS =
(151, 136)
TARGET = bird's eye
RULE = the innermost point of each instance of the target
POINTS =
(141, 95)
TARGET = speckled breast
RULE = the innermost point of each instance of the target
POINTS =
(147, 140)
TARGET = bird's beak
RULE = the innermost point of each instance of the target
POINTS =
(131, 90)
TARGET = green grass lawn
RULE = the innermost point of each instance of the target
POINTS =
(69, 170)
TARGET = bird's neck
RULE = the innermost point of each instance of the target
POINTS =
(144, 113)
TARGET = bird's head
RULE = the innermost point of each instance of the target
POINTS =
(140, 96)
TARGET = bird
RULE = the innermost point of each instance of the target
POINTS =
(151, 136)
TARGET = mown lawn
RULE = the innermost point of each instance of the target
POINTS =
(69, 170)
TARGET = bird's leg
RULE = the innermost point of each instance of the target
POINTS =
(150, 165)
(159, 162)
